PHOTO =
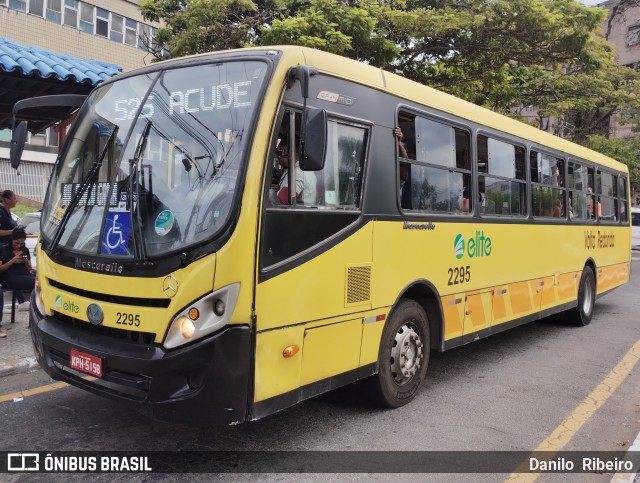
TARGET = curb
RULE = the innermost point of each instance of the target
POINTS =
(18, 366)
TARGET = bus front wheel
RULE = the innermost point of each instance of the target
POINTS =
(404, 355)
(581, 315)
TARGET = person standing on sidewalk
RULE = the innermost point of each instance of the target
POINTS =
(8, 201)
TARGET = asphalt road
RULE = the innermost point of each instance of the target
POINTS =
(509, 392)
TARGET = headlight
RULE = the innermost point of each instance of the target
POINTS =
(202, 317)
(187, 329)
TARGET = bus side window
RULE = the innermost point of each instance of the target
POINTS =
(547, 185)
(339, 184)
(622, 193)
(438, 179)
(329, 201)
(578, 185)
(502, 180)
(607, 185)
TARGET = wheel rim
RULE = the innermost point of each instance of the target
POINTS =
(587, 298)
(406, 354)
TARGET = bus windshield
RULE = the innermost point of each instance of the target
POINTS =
(152, 161)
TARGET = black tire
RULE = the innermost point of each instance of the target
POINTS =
(404, 338)
(581, 315)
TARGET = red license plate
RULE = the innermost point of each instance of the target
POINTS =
(86, 363)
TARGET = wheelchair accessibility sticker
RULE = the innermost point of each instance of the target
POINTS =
(115, 240)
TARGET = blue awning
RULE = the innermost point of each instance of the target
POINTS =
(45, 64)
(27, 71)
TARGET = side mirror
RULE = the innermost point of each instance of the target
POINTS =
(303, 74)
(315, 141)
(18, 138)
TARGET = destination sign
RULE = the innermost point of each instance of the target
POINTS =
(221, 96)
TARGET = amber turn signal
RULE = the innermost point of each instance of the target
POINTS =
(290, 351)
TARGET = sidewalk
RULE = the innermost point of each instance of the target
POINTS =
(16, 349)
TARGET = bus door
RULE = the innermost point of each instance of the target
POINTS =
(315, 262)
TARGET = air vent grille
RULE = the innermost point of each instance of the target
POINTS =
(358, 284)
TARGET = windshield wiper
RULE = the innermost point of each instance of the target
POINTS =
(88, 181)
(139, 248)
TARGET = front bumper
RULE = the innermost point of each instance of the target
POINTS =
(206, 382)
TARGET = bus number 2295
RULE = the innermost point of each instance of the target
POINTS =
(458, 275)
(125, 318)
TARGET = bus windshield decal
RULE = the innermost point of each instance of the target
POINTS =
(115, 240)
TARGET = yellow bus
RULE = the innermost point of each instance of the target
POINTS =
(177, 272)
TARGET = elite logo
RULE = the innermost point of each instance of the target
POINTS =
(478, 246)
(66, 305)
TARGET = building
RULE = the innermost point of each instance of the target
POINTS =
(71, 34)
(622, 29)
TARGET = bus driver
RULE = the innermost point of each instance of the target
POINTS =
(305, 180)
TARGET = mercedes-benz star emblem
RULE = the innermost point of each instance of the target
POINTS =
(170, 286)
(95, 314)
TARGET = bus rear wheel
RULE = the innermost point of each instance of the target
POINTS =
(404, 355)
(581, 315)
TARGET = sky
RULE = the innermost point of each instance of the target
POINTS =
(590, 2)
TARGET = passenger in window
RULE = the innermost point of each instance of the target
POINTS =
(397, 132)
(305, 180)
(404, 171)
(599, 210)
(591, 214)
(570, 209)
(557, 176)
(404, 167)
(465, 199)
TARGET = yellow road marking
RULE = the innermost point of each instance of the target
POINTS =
(38, 390)
(559, 438)
(33, 392)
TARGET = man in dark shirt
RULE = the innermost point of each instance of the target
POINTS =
(8, 200)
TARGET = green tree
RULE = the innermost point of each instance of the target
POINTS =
(625, 150)
(511, 54)
(198, 26)
(349, 28)
(506, 55)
